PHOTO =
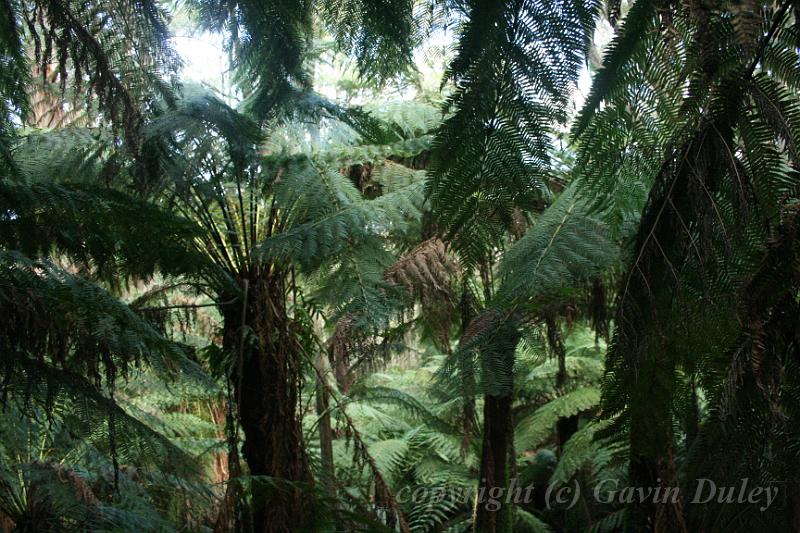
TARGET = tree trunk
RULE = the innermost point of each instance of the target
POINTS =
(498, 461)
(493, 514)
(469, 416)
(266, 385)
(652, 451)
(325, 434)
(565, 427)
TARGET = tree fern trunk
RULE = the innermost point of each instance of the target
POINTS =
(469, 415)
(267, 391)
(567, 426)
(325, 434)
(493, 514)
(652, 452)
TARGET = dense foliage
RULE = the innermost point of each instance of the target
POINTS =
(398, 272)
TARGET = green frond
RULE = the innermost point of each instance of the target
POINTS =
(536, 428)
(492, 154)
(77, 155)
(55, 315)
(325, 223)
(90, 415)
(268, 45)
(612, 522)
(389, 456)
(308, 105)
(403, 400)
(526, 522)
(349, 155)
(119, 54)
(198, 113)
(540, 381)
(378, 34)
(100, 230)
(640, 20)
(581, 448)
(567, 246)
(14, 78)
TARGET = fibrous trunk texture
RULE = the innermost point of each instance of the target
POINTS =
(493, 513)
(267, 387)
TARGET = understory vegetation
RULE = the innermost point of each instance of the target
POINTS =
(401, 265)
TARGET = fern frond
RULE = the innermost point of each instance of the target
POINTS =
(529, 523)
(100, 230)
(536, 428)
(53, 314)
(89, 415)
(120, 52)
(324, 224)
(377, 34)
(492, 154)
(580, 449)
(567, 246)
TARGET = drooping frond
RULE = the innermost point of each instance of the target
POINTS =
(512, 74)
(631, 36)
(119, 52)
(54, 315)
(89, 415)
(567, 246)
(199, 114)
(378, 34)
(536, 428)
(14, 77)
(324, 223)
(100, 230)
(268, 43)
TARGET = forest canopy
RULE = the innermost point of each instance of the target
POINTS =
(401, 265)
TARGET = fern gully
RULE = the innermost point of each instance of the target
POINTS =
(397, 269)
